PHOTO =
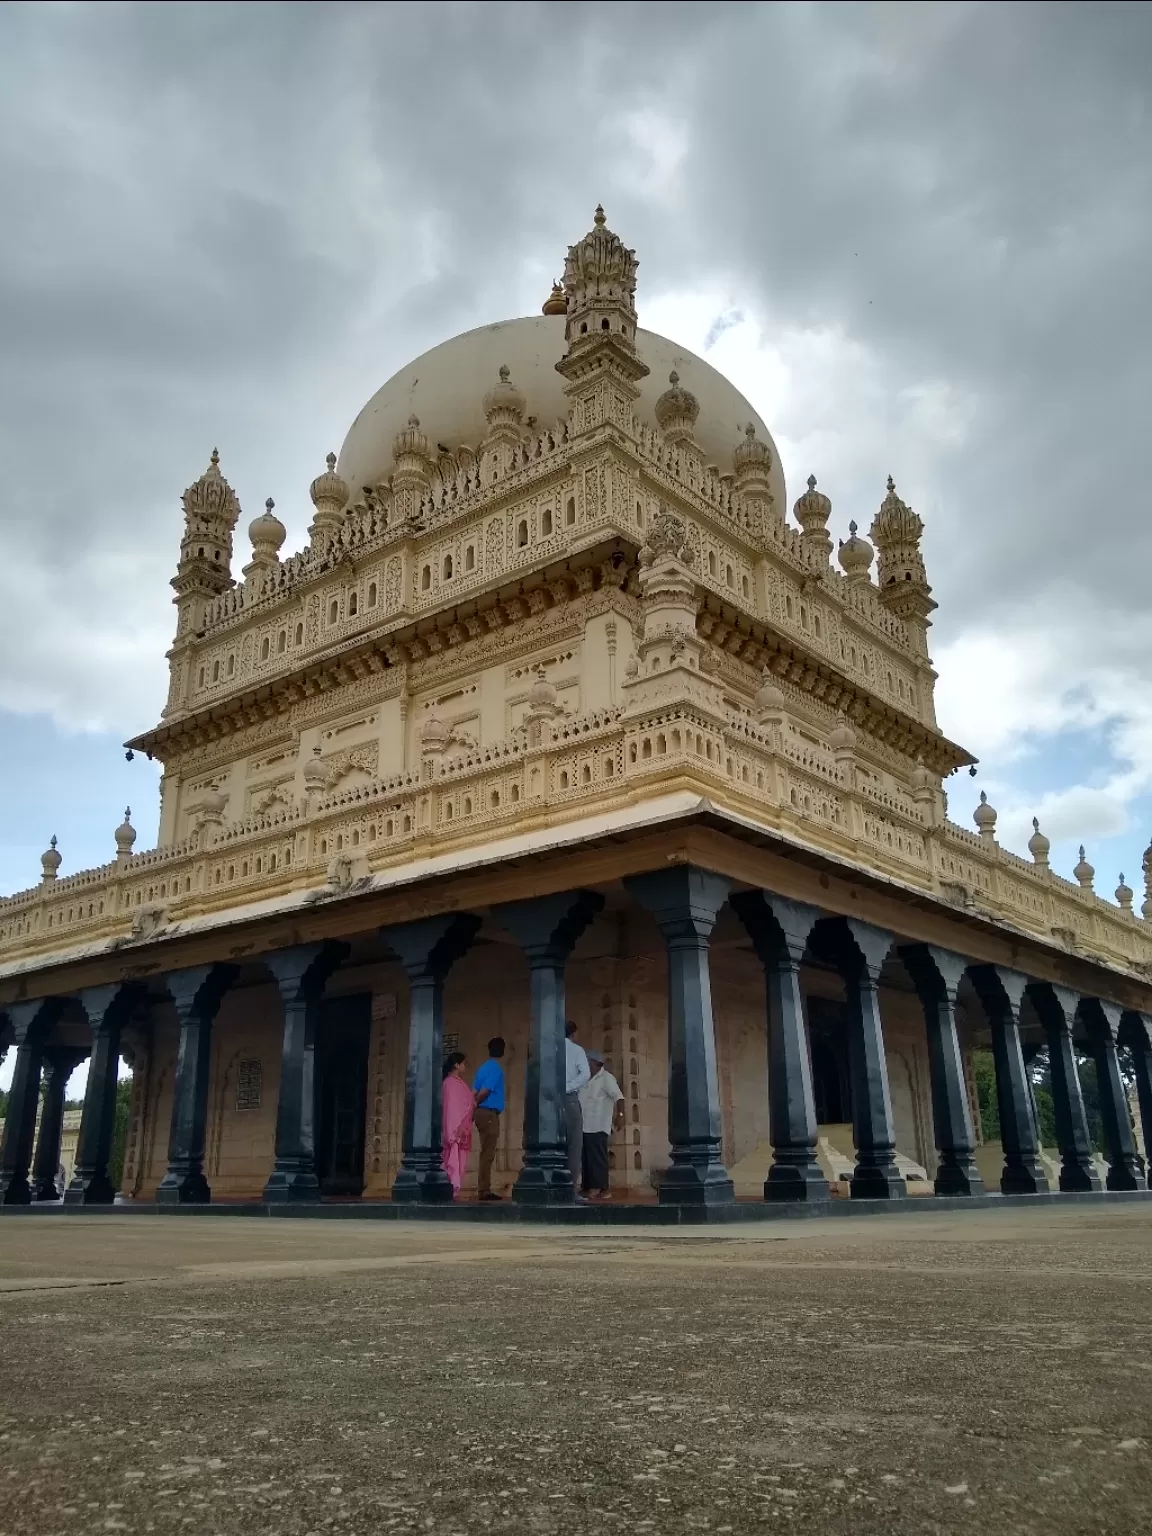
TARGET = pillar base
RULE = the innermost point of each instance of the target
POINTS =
(871, 1183)
(796, 1181)
(1025, 1178)
(183, 1189)
(544, 1186)
(91, 1190)
(17, 1191)
(959, 1177)
(44, 1192)
(290, 1186)
(1125, 1175)
(1078, 1179)
(690, 1184)
(422, 1187)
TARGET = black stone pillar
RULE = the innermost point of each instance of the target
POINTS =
(861, 959)
(684, 902)
(427, 949)
(107, 1007)
(779, 932)
(1056, 1008)
(936, 975)
(1103, 1021)
(547, 929)
(57, 1067)
(301, 974)
(197, 994)
(1001, 992)
(1137, 1036)
(30, 1023)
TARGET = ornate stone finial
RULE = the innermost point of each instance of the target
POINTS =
(315, 773)
(600, 288)
(211, 512)
(1083, 871)
(267, 533)
(50, 860)
(329, 493)
(554, 304)
(676, 410)
(921, 776)
(855, 556)
(410, 440)
(125, 835)
(667, 538)
(769, 699)
(812, 511)
(752, 452)
(504, 404)
(1124, 896)
(842, 738)
(1038, 845)
(903, 583)
(434, 734)
(599, 217)
(1146, 866)
(542, 694)
(985, 818)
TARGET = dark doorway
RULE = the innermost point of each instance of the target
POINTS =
(831, 1085)
(341, 1092)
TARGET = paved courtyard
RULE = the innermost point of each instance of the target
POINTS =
(985, 1372)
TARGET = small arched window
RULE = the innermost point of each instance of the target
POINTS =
(281, 642)
(425, 578)
(447, 567)
(570, 511)
(711, 563)
(200, 683)
(353, 604)
(333, 611)
(546, 522)
(264, 648)
(215, 671)
(372, 594)
(299, 634)
(470, 558)
(231, 664)
(521, 534)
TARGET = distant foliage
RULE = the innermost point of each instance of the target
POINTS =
(120, 1131)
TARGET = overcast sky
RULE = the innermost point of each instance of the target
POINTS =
(917, 237)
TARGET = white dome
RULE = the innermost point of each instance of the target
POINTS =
(446, 387)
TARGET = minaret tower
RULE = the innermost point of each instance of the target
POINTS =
(900, 575)
(600, 366)
(204, 571)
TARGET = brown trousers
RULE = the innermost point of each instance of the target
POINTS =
(488, 1124)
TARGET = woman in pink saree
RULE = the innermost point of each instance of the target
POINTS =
(457, 1101)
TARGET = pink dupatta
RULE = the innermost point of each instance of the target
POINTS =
(456, 1108)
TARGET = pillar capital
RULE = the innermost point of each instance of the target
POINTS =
(779, 928)
(867, 947)
(1001, 990)
(547, 928)
(303, 970)
(1055, 1005)
(429, 947)
(683, 900)
(199, 989)
(936, 973)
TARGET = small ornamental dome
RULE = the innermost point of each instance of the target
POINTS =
(555, 303)
(315, 773)
(1084, 871)
(125, 834)
(895, 523)
(267, 532)
(504, 399)
(1124, 895)
(410, 439)
(214, 800)
(1038, 844)
(328, 491)
(841, 738)
(855, 556)
(985, 817)
(542, 694)
(769, 695)
(677, 409)
(752, 453)
(433, 732)
(813, 508)
(921, 776)
(50, 860)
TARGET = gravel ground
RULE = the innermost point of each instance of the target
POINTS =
(983, 1372)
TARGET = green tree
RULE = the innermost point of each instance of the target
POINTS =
(120, 1131)
(984, 1074)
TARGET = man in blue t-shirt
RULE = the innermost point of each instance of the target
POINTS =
(488, 1086)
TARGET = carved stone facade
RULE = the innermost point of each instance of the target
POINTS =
(551, 600)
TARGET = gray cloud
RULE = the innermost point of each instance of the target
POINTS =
(232, 223)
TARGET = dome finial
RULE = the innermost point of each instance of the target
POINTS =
(985, 818)
(50, 860)
(677, 410)
(1124, 895)
(891, 485)
(555, 303)
(214, 461)
(812, 512)
(599, 217)
(1038, 845)
(125, 835)
(855, 556)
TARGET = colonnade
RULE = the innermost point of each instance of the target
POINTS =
(684, 901)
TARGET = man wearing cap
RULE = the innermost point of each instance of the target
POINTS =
(602, 1108)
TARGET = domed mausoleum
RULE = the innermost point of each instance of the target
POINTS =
(563, 712)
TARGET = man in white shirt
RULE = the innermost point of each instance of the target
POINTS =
(576, 1074)
(602, 1110)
